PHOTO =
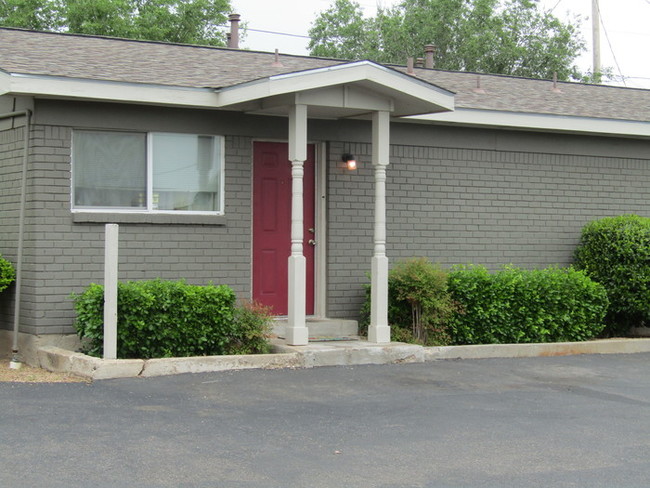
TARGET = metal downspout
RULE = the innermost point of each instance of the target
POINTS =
(15, 362)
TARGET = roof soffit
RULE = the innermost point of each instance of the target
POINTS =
(341, 101)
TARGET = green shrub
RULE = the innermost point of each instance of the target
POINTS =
(518, 306)
(7, 273)
(399, 313)
(171, 319)
(253, 324)
(419, 304)
(615, 252)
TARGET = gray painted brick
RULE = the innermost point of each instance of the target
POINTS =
(451, 204)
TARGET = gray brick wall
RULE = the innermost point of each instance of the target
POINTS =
(65, 257)
(510, 198)
(457, 206)
(11, 159)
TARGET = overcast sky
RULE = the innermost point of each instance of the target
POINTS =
(626, 29)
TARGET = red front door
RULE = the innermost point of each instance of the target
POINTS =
(272, 225)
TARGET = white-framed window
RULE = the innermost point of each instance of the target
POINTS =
(156, 172)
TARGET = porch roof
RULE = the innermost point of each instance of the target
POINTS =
(345, 90)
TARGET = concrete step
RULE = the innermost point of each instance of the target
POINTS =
(349, 353)
(320, 327)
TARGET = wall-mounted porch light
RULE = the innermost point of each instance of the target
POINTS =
(350, 161)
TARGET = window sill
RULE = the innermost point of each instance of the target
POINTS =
(142, 218)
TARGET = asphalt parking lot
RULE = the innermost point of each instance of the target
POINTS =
(562, 421)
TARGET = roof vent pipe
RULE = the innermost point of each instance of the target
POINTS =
(429, 52)
(277, 63)
(479, 89)
(555, 88)
(233, 40)
(409, 66)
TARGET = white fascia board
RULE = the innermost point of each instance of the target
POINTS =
(5, 82)
(336, 75)
(113, 91)
(542, 122)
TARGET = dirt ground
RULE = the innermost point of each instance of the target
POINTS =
(27, 374)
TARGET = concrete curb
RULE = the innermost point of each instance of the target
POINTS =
(605, 346)
(59, 360)
(206, 364)
(315, 354)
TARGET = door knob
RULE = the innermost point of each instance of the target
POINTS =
(312, 242)
(312, 230)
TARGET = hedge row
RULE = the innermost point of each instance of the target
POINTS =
(470, 305)
(172, 319)
(520, 306)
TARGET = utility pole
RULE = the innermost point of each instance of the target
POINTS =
(595, 29)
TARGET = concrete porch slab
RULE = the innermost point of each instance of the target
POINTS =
(348, 353)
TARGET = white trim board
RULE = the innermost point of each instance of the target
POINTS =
(538, 122)
(110, 91)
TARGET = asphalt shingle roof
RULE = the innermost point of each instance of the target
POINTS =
(99, 58)
(107, 59)
(514, 94)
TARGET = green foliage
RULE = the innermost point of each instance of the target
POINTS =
(513, 37)
(253, 323)
(172, 319)
(605, 75)
(419, 304)
(519, 306)
(182, 21)
(423, 287)
(342, 32)
(399, 313)
(615, 252)
(7, 273)
(29, 14)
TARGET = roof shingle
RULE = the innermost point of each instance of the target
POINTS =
(120, 60)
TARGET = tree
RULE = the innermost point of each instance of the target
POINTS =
(342, 32)
(29, 14)
(182, 21)
(513, 38)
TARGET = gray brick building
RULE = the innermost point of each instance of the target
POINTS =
(506, 174)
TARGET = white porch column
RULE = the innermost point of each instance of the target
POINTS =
(379, 331)
(296, 331)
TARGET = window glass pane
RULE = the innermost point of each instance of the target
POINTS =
(186, 172)
(109, 169)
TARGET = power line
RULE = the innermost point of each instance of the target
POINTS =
(611, 49)
(636, 77)
(278, 33)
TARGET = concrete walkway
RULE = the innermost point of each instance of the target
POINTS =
(334, 353)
